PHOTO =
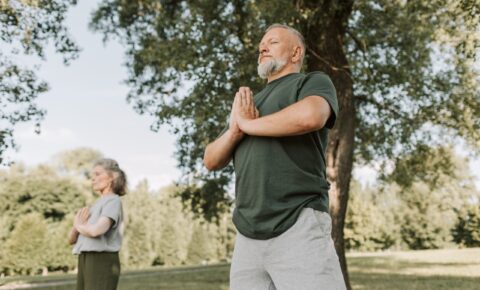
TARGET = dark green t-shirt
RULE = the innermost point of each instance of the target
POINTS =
(277, 177)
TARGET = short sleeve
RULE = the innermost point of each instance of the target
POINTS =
(319, 84)
(113, 209)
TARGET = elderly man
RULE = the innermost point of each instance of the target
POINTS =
(277, 140)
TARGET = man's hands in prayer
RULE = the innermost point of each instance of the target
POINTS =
(244, 107)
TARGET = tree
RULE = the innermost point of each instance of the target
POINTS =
(23, 252)
(26, 27)
(77, 162)
(402, 70)
(58, 253)
(427, 218)
(174, 227)
(39, 190)
(201, 248)
(371, 221)
(140, 227)
(467, 228)
(433, 200)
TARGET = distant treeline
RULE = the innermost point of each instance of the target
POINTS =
(37, 207)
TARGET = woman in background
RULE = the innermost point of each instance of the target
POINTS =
(97, 231)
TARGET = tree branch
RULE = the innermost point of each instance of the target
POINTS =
(365, 99)
(345, 68)
(360, 45)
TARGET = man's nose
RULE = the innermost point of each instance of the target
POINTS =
(263, 49)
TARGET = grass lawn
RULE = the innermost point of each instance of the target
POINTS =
(419, 270)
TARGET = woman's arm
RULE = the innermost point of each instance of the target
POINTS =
(94, 230)
(72, 236)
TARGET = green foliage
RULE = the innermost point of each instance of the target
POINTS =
(58, 254)
(77, 162)
(175, 227)
(200, 249)
(425, 164)
(24, 251)
(40, 190)
(427, 218)
(411, 70)
(413, 83)
(157, 229)
(467, 228)
(138, 245)
(371, 224)
(47, 200)
(429, 213)
(202, 203)
(140, 228)
(432, 199)
(26, 27)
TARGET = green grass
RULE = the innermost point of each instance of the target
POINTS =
(419, 270)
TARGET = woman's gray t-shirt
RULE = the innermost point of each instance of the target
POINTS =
(108, 206)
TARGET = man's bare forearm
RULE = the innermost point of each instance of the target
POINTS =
(219, 153)
(300, 118)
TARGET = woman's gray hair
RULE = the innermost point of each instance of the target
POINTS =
(294, 32)
(119, 185)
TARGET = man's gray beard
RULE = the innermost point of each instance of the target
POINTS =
(270, 67)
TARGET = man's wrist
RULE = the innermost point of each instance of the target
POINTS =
(246, 126)
(235, 136)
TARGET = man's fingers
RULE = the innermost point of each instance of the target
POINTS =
(244, 103)
(238, 95)
(246, 93)
(252, 102)
(237, 102)
(244, 90)
(244, 98)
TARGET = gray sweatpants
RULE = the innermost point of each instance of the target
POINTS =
(302, 258)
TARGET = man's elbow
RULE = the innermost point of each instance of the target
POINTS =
(312, 122)
(210, 164)
(207, 161)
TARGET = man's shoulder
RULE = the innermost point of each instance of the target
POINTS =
(316, 79)
(317, 75)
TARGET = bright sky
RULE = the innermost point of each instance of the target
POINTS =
(86, 107)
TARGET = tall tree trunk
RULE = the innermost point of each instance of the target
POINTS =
(324, 34)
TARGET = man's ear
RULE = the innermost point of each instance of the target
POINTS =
(297, 53)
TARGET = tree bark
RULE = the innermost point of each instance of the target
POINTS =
(324, 35)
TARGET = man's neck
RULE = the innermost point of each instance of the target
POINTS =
(285, 71)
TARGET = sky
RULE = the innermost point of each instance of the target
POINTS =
(86, 107)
